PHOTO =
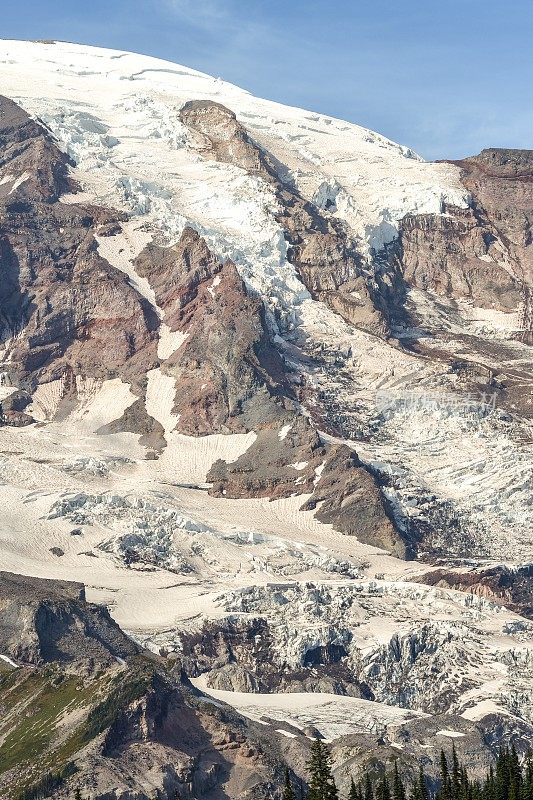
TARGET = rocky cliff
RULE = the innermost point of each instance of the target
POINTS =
(139, 727)
(43, 621)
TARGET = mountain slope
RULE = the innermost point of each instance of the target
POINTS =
(135, 726)
(264, 375)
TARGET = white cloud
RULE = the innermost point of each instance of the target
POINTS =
(208, 14)
(219, 17)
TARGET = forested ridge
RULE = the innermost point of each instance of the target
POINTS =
(508, 779)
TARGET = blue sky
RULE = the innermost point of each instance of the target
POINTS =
(446, 77)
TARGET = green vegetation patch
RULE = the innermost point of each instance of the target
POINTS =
(36, 704)
(105, 713)
(33, 705)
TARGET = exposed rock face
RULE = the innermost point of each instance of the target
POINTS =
(239, 656)
(420, 741)
(43, 621)
(319, 247)
(299, 463)
(218, 135)
(458, 256)
(132, 733)
(230, 376)
(468, 265)
(349, 498)
(483, 253)
(294, 460)
(187, 747)
(177, 274)
(280, 463)
(64, 310)
(512, 588)
(330, 265)
(229, 354)
(10, 415)
(171, 741)
(501, 181)
(28, 152)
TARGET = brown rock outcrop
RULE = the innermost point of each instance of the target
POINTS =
(220, 136)
(230, 376)
(173, 743)
(273, 467)
(501, 182)
(136, 419)
(177, 274)
(348, 498)
(512, 587)
(457, 255)
(63, 308)
(485, 252)
(324, 255)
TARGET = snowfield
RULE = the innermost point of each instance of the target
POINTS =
(164, 557)
(331, 715)
(116, 114)
(144, 535)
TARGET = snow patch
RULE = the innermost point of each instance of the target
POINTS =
(121, 249)
(169, 341)
(160, 398)
(283, 433)
(8, 661)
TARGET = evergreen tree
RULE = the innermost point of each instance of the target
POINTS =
(398, 789)
(465, 788)
(489, 786)
(502, 776)
(421, 785)
(369, 791)
(354, 794)
(321, 783)
(515, 774)
(445, 790)
(288, 791)
(455, 779)
(383, 789)
(526, 788)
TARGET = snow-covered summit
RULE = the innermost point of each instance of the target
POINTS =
(116, 113)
